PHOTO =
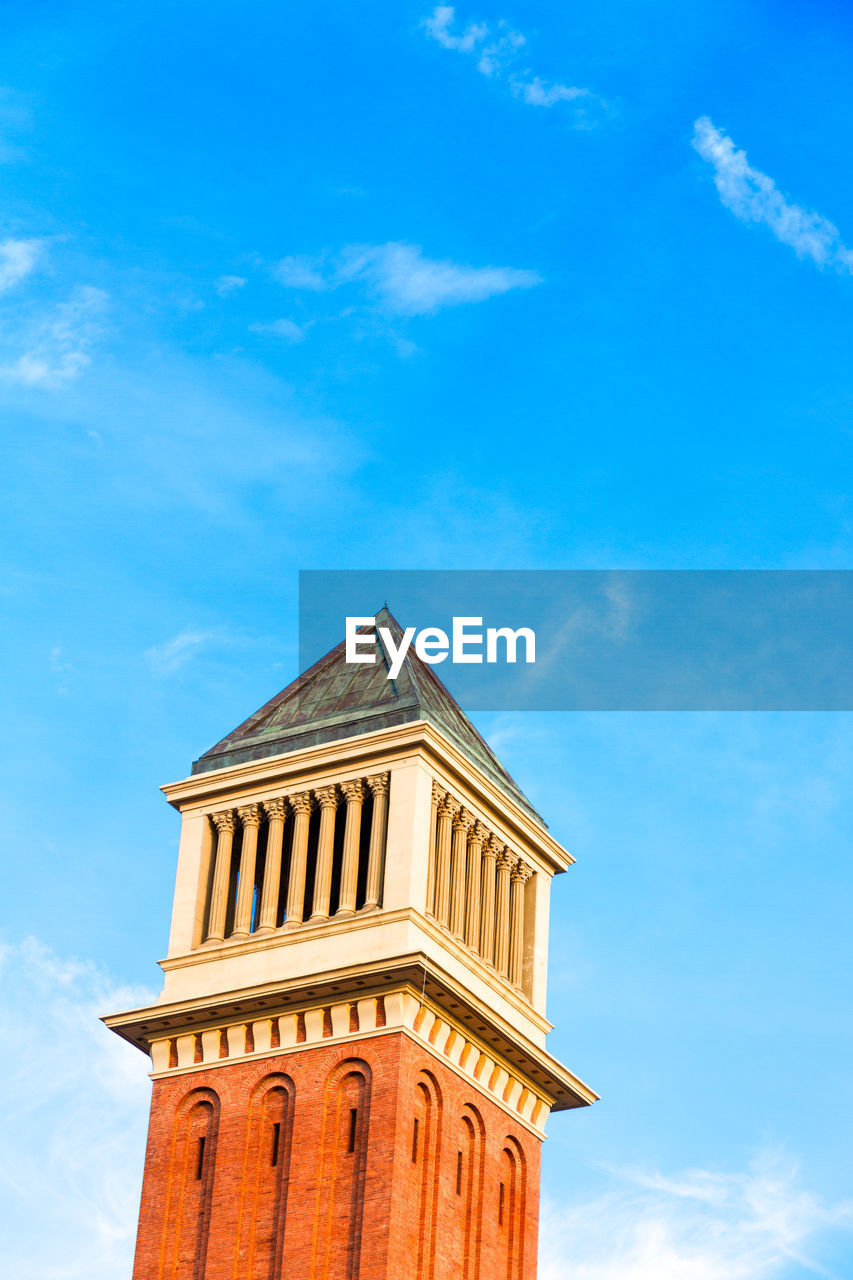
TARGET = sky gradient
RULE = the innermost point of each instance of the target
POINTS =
(393, 286)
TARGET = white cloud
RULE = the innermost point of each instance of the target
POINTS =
(169, 656)
(701, 1226)
(300, 273)
(754, 197)
(226, 285)
(407, 283)
(17, 259)
(75, 1103)
(497, 48)
(494, 47)
(59, 342)
(543, 93)
(289, 330)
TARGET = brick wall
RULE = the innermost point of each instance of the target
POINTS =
(369, 1160)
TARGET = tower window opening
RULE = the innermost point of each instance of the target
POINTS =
(459, 1173)
(501, 1206)
(276, 1139)
(415, 1141)
(199, 1168)
(353, 1119)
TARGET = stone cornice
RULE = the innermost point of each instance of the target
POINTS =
(142, 1026)
(216, 1041)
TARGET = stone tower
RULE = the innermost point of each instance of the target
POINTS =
(349, 1063)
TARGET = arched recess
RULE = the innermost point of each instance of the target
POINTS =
(425, 1146)
(511, 1210)
(336, 1247)
(266, 1177)
(469, 1154)
(189, 1187)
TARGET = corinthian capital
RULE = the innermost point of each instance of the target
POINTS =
(438, 793)
(448, 806)
(521, 873)
(224, 821)
(463, 821)
(276, 808)
(301, 802)
(354, 790)
(492, 847)
(379, 783)
(250, 815)
(506, 860)
(327, 797)
(479, 833)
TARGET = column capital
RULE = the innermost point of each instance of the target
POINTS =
(448, 806)
(353, 790)
(327, 797)
(438, 793)
(379, 783)
(250, 815)
(301, 802)
(521, 873)
(276, 808)
(224, 821)
(479, 833)
(506, 860)
(463, 820)
(492, 847)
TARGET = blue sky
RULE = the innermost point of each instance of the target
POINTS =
(375, 286)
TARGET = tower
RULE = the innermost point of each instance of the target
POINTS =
(350, 1079)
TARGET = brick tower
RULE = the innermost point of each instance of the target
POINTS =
(349, 1063)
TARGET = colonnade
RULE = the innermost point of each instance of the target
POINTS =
(256, 903)
(477, 886)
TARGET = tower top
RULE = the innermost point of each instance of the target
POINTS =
(334, 700)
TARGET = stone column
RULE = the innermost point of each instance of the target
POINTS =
(519, 876)
(505, 863)
(224, 823)
(301, 804)
(250, 817)
(487, 900)
(276, 811)
(462, 824)
(327, 798)
(472, 892)
(378, 784)
(354, 795)
(446, 810)
(437, 795)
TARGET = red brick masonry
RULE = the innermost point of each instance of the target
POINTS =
(370, 1160)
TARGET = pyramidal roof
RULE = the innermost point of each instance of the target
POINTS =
(334, 700)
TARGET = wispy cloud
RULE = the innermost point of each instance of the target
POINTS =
(73, 1139)
(17, 259)
(499, 49)
(752, 196)
(402, 279)
(226, 285)
(286, 329)
(301, 272)
(171, 655)
(699, 1226)
(58, 342)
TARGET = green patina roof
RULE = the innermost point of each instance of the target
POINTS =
(334, 700)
